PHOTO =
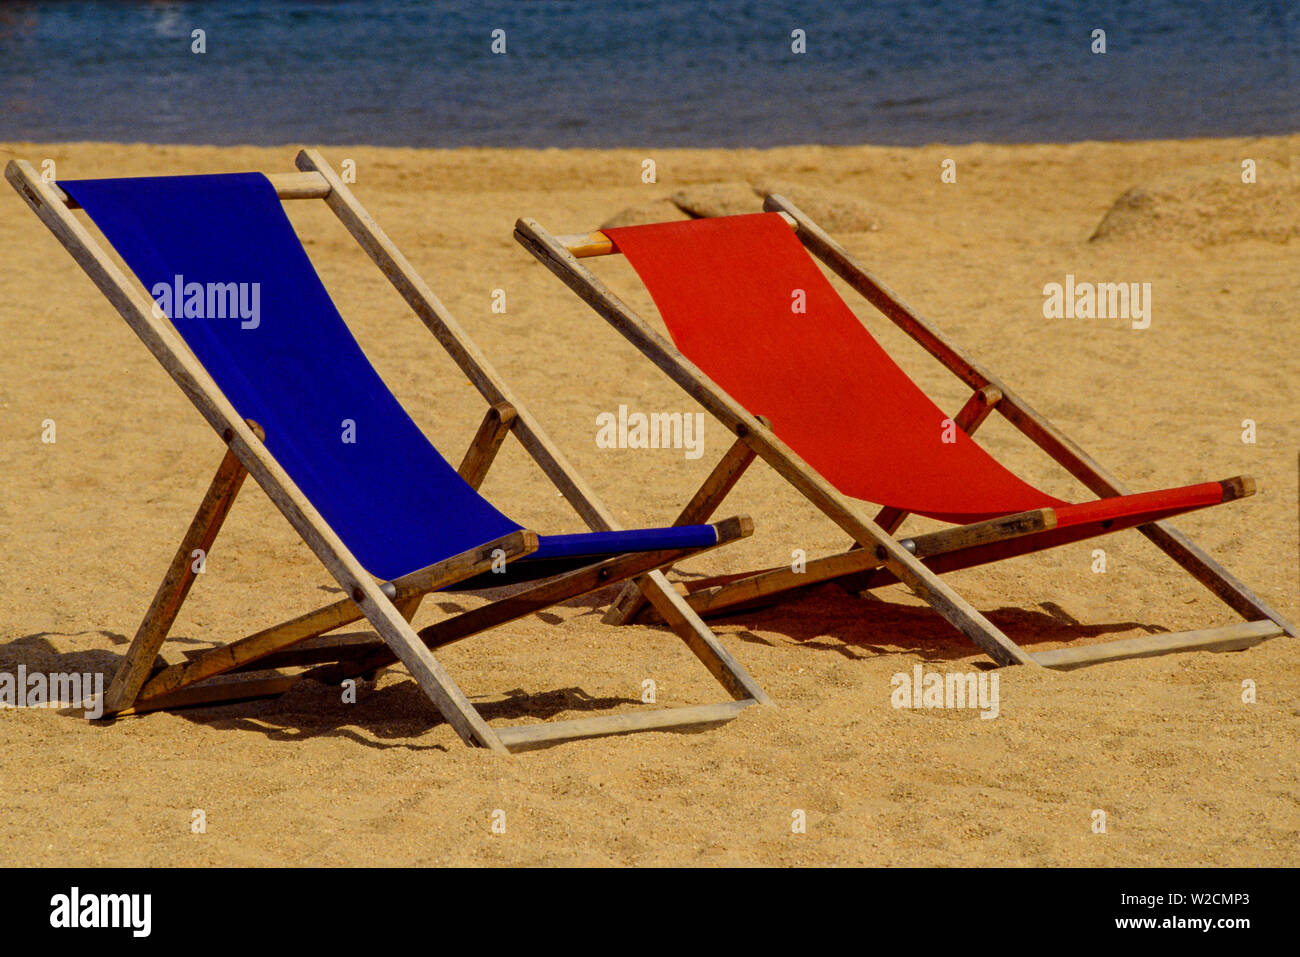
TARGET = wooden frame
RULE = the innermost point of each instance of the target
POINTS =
(874, 546)
(211, 676)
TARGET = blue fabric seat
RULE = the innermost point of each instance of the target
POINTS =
(280, 352)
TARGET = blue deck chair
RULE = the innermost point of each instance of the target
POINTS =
(270, 363)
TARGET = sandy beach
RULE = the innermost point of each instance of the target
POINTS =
(1186, 772)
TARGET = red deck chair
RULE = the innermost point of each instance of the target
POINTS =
(767, 346)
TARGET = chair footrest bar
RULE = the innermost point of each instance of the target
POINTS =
(525, 736)
(218, 690)
(1233, 637)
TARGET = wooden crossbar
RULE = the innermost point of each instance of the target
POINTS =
(308, 185)
(587, 245)
(310, 651)
(521, 737)
(220, 689)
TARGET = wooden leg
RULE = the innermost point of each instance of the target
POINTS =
(1231, 591)
(250, 649)
(700, 508)
(407, 608)
(171, 594)
(1226, 587)
(689, 627)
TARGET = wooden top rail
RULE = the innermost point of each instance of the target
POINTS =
(586, 245)
(287, 186)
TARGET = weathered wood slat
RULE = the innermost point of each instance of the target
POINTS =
(175, 587)
(774, 581)
(1231, 637)
(674, 610)
(344, 646)
(222, 689)
(524, 736)
(302, 185)
(981, 533)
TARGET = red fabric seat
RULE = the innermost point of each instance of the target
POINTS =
(730, 290)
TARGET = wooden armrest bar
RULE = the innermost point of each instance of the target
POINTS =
(981, 533)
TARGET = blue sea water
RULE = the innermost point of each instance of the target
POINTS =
(638, 72)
